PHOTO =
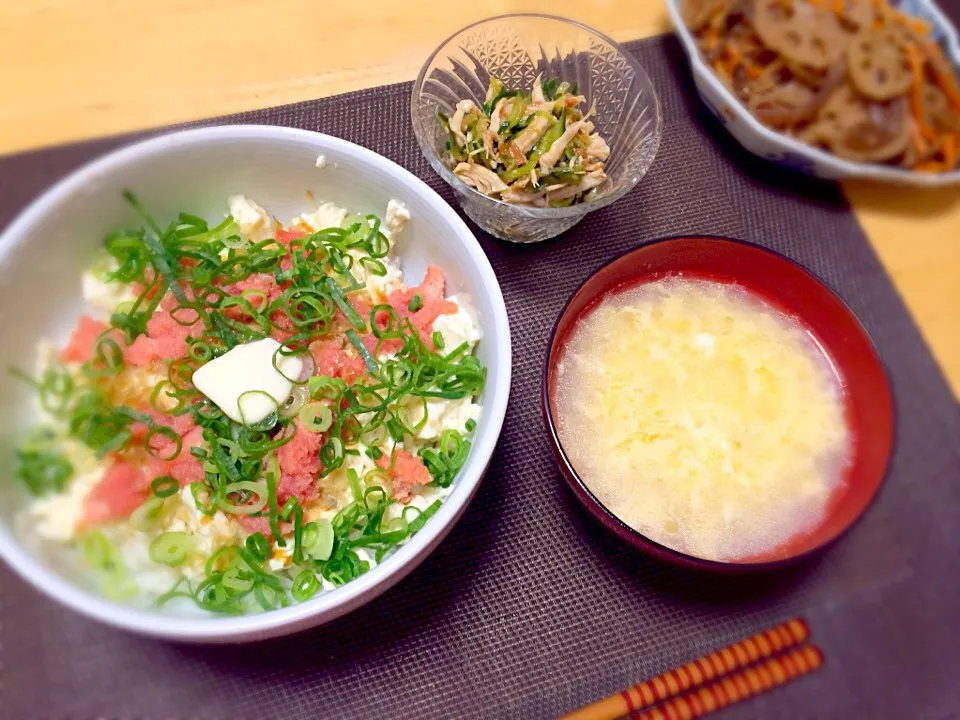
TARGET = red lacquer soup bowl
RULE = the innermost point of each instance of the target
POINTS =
(785, 285)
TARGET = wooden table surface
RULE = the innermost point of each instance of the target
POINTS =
(75, 69)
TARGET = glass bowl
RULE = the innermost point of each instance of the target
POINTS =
(516, 48)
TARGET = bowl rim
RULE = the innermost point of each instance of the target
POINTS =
(326, 607)
(839, 167)
(579, 209)
(637, 539)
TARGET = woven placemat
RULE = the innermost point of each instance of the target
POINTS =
(528, 609)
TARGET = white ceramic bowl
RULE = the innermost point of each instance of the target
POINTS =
(42, 255)
(790, 153)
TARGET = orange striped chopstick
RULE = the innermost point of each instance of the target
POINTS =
(737, 687)
(694, 674)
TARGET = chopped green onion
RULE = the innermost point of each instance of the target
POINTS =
(147, 514)
(329, 388)
(237, 581)
(288, 508)
(161, 257)
(203, 498)
(345, 307)
(109, 355)
(98, 551)
(41, 467)
(308, 363)
(316, 417)
(438, 341)
(395, 429)
(199, 350)
(322, 545)
(298, 535)
(362, 349)
(298, 396)
(175, 592)
(269, 594)
(421, 519)
(373, 267)
(270, 420)
(257, 544)
(221, 559)
(55, 388)
(246, 490)
(416, 302)
(305, 586)
(354, 479)
(119, 586)
(310, 533)
(161, 388)
(445, 461)
(234, 242)
(170, 548)
(164, 486)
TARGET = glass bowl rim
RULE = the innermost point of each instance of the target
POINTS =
(577, 210)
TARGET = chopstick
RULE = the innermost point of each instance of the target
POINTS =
(761, 646)
(737, 687)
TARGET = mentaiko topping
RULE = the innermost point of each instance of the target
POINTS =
(262, 412)
(534, 148)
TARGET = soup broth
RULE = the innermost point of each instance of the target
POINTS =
(702, 417)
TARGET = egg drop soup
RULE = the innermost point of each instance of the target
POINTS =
(702, 417)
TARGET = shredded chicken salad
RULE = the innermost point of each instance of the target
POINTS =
(252, 413)
(536, 149)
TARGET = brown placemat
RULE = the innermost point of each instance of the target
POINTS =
(528, 609)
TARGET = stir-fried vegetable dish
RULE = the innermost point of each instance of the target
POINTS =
(857, 78)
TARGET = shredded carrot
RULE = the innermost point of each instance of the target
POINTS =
(946, 79)
(950, 151)
(839, 6)
(734, 54)
(919, 144)
(711, 40)
(729, 69)
(930, 166)
(919, 26)
(916, 101)
(717, 17)
(753, 71)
